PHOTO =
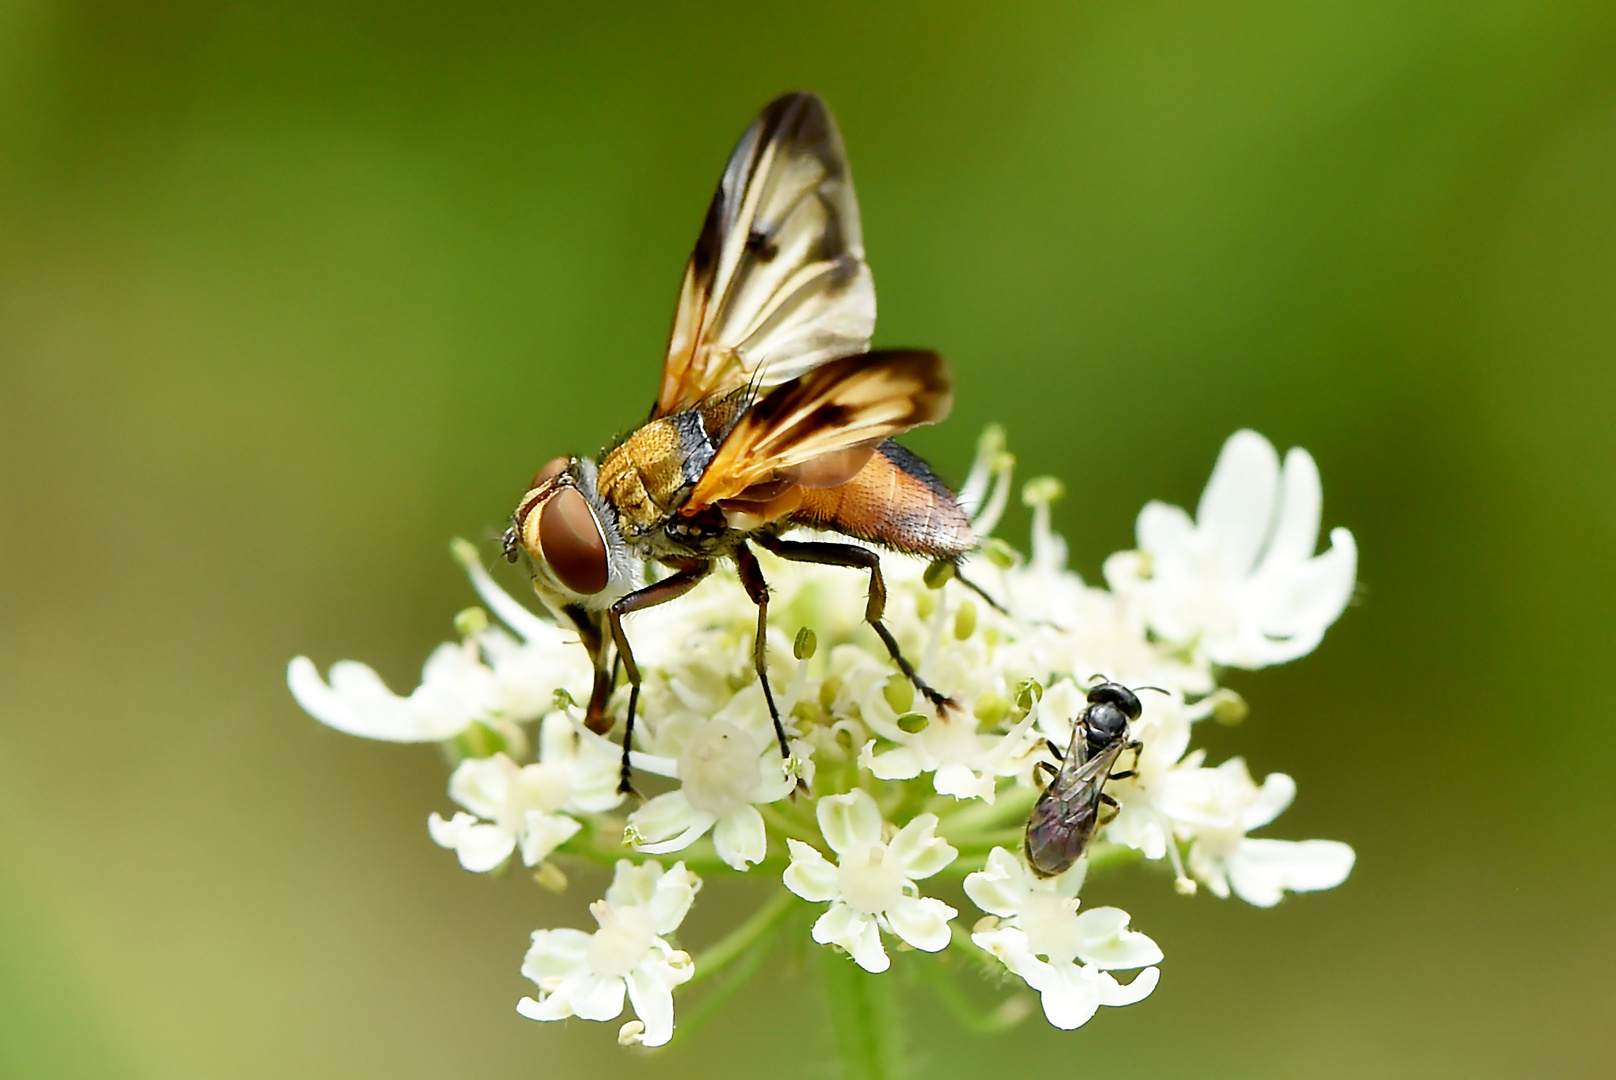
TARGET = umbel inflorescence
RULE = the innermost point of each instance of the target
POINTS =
(884, 797)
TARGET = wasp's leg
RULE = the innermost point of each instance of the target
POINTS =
(1053, 772)
(858, 558)
(1108, 800)
(1060, 755)
(669, 588)
(1123, 775)
(758, 590)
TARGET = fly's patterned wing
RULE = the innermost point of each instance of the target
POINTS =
(820, 429)
(1065, 817)
(777, 283)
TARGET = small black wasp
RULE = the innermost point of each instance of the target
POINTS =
(1067, 814)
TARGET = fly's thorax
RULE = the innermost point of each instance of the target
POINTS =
(649, 475)
(572, 535)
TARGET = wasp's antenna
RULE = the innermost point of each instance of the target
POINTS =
(1158, 689)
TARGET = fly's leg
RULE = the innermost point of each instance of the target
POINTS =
(983, 593)
(858, 558)
(593, 636)
(758, 589)
(669, 588)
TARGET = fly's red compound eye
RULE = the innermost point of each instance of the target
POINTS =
(552, 469)
(572, 543)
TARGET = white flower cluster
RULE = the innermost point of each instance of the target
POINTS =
(883, 793)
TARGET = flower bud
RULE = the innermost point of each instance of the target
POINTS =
(900, 693)
(806, 645)
(471, 622)
(965, 621)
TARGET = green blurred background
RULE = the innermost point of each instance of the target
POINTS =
(292, 294)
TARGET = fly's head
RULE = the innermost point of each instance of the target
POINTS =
(571, 535)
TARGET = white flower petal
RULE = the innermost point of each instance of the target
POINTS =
(545, 833)
(1071, 995)
(664, 816)
(594, 997)
(856, 933)
(1301, 507)
(1275, 795)
(1106, 941)
(1237, 507)
(671, 899)
(959, 781)
(810, 875)
(480, 847)
(1001, 886)
(850, 821)
(633, 885)
(555, 953)
(740, 837)
(1138, 989)
(653, 1004)
(903, 763)
(482, 784)
(922, 922)
(918, 849)
(1164, 531)
(1262, 870)
(357, 702)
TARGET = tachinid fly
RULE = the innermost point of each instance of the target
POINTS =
(1067, 814)
(773, 414)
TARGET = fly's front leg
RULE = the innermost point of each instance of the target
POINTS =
(592, 634)
(859, 558)
(758, 590)
(669, 588)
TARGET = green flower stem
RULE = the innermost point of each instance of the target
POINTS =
(866, 1015)
(715, 958)
(790, 825)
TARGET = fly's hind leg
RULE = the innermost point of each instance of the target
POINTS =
(758, 590)
(858, 558)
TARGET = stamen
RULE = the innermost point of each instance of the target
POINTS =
(1183, 884)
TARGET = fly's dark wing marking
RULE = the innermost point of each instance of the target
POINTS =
(777, 283)
(1065, 817)
(854, 401)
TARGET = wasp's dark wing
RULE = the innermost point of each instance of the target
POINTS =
(1067, 815)
(777, 283)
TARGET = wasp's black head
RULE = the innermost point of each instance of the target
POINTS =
(1106, 724)
(1117, 695)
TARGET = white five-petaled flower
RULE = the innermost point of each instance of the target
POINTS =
(1219, 806)
(1241, 582)
(872, 887)
(1062, 954)
(724, 771)
(527, 805)
(586, 975)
